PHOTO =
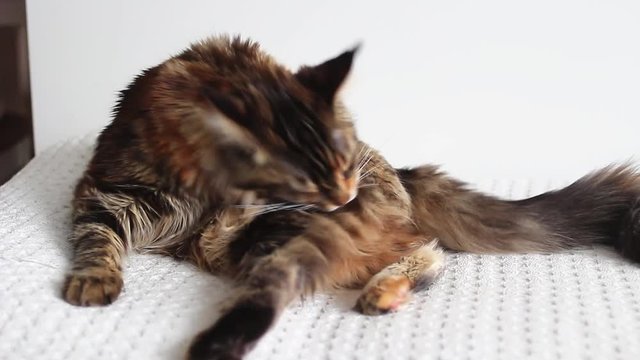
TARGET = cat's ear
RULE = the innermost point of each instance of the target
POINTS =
(325, 79)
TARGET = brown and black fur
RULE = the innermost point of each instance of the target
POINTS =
(224, 158)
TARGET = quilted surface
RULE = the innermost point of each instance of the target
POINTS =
(574, 305)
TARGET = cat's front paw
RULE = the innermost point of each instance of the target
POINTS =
(203, 349)
(236, 332)
(91, 287)
(384, 295)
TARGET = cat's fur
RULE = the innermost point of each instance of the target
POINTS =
(203, 145)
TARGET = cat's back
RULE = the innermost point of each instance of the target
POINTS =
(160, 117)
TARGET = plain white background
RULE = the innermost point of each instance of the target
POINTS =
(545, 89)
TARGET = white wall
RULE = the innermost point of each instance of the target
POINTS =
(493, 88)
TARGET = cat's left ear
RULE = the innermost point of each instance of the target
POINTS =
(325, 79)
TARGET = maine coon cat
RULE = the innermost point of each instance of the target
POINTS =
(222, 157)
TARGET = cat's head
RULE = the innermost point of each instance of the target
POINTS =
(283, 135)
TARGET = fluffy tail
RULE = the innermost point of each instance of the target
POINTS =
(602, 207)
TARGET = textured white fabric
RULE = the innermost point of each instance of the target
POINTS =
(575, 305)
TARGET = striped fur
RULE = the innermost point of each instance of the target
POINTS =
(222, 157)
(601, 207)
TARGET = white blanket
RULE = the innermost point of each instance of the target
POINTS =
(574, 305)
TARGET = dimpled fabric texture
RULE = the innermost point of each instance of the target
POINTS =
(574, 305)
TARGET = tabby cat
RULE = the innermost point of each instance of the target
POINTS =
(222, 157)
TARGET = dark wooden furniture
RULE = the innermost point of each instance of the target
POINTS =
(16, 135)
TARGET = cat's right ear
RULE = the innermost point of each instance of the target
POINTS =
(325, 79)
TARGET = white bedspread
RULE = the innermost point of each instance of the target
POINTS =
(575, 305)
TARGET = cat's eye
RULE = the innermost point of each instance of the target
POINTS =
(302, 184)
(239, 153)
(301, 179)
(348, 172)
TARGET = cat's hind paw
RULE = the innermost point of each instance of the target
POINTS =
(384, 295)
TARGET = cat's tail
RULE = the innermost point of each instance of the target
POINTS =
(602, 207)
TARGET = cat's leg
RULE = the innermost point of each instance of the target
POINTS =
(106, 224)
(270, 283)
(392, 287)
(99, 245)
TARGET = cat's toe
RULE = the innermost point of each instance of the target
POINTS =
(386, 295)
(92, 287)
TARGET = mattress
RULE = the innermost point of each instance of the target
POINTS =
(573, 305)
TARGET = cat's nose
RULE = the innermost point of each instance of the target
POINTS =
(342, 198)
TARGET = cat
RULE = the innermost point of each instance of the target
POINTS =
(222, 157)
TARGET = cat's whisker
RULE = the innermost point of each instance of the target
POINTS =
(363, 165)
(363, 150)
(261, 209)
(364, 159)
(304, 208)
(281, 207)
(359, 172)
(369, 171)
(258, 206)
(257, 210)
